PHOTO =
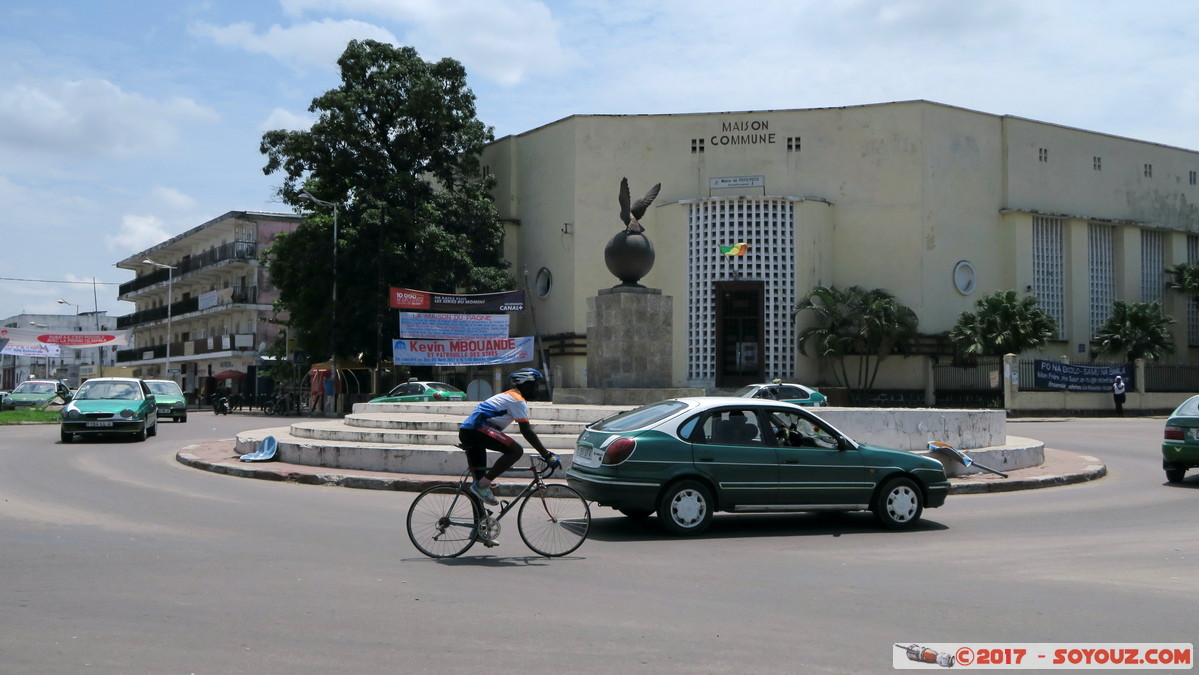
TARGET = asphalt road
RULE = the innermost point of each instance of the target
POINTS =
(117, 559)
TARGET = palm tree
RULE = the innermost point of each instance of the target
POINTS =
(1185, 278)
(855, 322)
(1136, 329)
(1002, 323)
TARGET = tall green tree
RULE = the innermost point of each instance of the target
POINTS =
(1184, 278)
(397, 147)
(1002, 322)
(1137, 330)
(855, 322)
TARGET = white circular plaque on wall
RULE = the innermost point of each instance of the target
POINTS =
(964, 277)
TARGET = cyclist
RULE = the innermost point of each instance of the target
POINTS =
(484, 430)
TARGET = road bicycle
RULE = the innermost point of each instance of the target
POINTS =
(553, 519)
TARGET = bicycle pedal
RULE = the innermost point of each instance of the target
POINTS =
(490, 543)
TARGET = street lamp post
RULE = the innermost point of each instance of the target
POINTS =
(170, 301)
(337, 402)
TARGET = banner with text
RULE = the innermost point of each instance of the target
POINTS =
(1069, 377)
(40, 351)
(437, 326)
(22, 337)
(506, 301)
(482, 352)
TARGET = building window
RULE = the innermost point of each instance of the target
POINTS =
(1043, 154)
(1097, 163)
(793, 144)
(1153, 265)
(1149, 171)
(768, 226)
(697, 146)
(1101, 258)
(1048, 268)
(1193, 177)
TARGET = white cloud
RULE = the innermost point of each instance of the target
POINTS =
(502, 41)
(91, 117)
(284, 119)
(174, 198)
(312, 44)
(137, 233)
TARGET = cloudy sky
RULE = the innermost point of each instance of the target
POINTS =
(126, 122)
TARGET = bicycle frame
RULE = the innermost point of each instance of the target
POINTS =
(537, 483)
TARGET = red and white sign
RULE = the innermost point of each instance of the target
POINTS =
(21, 337)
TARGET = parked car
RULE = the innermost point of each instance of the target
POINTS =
(111, 405)
(170, 399)
(5, 401)
(687, 458)
(39, 393)
(1180, 442)
(784, 391)
(421, 391)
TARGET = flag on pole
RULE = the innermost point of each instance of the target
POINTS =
(736, 249)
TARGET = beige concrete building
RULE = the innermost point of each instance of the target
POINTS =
(937, 204)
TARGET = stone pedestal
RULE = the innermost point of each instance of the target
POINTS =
(629, 338)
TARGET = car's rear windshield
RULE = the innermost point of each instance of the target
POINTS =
(442, 386)
(167, 388)
(640, 417)
(34, 388)
(1189, 408)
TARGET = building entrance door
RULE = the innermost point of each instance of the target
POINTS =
(740, 333)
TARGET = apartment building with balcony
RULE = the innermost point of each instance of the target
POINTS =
(204, 296)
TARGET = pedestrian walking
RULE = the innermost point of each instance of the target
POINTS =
(1118, 395)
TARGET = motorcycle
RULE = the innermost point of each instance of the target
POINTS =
(221, 405)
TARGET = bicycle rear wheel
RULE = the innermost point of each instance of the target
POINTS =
(441, 522)
(554, 521)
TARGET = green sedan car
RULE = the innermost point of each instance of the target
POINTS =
(111, 405)
(38, 394)
(170, 399)
(784, 391)
(1180, 442)
(413, 391)
(688, 458)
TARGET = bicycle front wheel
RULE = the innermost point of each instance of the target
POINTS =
(554, 521)
(441, 522)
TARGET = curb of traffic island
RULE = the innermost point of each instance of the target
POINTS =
(221, 457)
(1079, 469)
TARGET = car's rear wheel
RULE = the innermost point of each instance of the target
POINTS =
(899, 503)
(1175, 474)
(686, 508)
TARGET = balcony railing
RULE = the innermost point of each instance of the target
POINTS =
(246, 295)
(223, 343)
(238, 250)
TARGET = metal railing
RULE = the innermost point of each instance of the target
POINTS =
(238, 250)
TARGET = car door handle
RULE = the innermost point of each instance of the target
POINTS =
(790, 461)
(705, 459)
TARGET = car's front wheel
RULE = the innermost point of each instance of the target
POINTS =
(67, 436)
(686, 508)
(899, 503)
(140, 434)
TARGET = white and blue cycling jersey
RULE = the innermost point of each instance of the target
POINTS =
(499, 411)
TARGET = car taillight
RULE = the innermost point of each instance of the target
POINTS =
(437, 396)
(1173, 434)
(619, 450)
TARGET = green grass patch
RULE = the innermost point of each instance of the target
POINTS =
(39, 416)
